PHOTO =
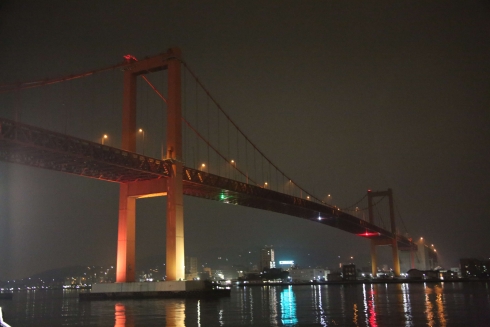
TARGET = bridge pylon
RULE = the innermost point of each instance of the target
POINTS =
(394, 240)
(172, 186)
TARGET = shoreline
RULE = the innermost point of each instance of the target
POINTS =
(367, 281)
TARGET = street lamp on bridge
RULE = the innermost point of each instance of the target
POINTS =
(143, 133)
(233, 164)
(328, 199)
(104, 137)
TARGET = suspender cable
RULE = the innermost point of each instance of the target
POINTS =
(236, 126)
(219, 137)
(212, 147)
(209, 136)
(186, 131)
(228, 153)
(198, 155)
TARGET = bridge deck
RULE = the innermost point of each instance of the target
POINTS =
(37, 147)
(33, 146)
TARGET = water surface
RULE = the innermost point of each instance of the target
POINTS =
(420, 304)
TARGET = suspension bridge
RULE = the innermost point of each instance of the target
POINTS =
(207, 156)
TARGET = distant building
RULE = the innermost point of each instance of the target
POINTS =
(241, 270)
(230, 271)
(415, 274)
(349, 272)
(448, 274)
(457, 270)
(474, 268)
(334, 276)
(274, 275)
(203, 275)
(218, 275)
(267, 258)
(206, 271)
(308, 275)
(423, 274)
(365, 272)
(190, 268)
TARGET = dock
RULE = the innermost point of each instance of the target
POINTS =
(142, 290)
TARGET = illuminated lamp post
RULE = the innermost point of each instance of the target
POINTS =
(143, 133)
(104, 137)
(233, 164)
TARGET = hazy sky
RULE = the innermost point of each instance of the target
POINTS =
(343, 96)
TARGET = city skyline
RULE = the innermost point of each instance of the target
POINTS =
(344, 97)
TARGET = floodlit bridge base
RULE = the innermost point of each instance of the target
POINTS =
(167, 289)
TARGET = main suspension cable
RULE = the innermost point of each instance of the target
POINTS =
(401, 218)
(355, 204)
(32, 84)
(28, 85)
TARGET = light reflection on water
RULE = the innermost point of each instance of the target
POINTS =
(369, 305)
(436, 304)
(288, 307)
(440, 305)
(407, 307)
(120, 313)
(428, 307)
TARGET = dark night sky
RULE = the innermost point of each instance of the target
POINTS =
(343, 96)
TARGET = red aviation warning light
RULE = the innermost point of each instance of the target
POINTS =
(130, 58)
(369, 234)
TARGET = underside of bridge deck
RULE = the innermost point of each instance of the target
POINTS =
(33, 146)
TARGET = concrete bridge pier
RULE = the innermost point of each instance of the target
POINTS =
(175, 194)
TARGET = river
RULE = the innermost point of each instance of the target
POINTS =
(414, 304)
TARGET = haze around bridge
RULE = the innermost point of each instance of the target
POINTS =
(344, 97)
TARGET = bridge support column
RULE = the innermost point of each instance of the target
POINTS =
(126, 237)
(412, 257)
(126, 246)
(175, 195)
(374, 258)
(394, 245)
